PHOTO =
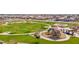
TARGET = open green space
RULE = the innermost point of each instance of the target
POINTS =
(33, 40)
(20, 28)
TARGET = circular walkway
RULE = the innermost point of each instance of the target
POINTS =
(76, 35)
(65, 39)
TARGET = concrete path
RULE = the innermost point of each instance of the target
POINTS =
(76, 35)
(65, 39)
(16, 34)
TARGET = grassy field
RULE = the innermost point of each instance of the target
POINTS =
(33, 40)
(20, 28)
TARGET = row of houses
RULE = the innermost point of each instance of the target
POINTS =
(42, 17)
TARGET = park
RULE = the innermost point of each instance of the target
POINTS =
(32, 31)
(24, 33)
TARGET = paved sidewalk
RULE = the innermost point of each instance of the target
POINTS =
(16, 34)
(65, 39)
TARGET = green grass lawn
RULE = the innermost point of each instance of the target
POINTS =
(33, 40)
(28, 28)
(22, 27)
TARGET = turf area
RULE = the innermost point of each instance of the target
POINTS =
(33, 40)
(20, 28)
